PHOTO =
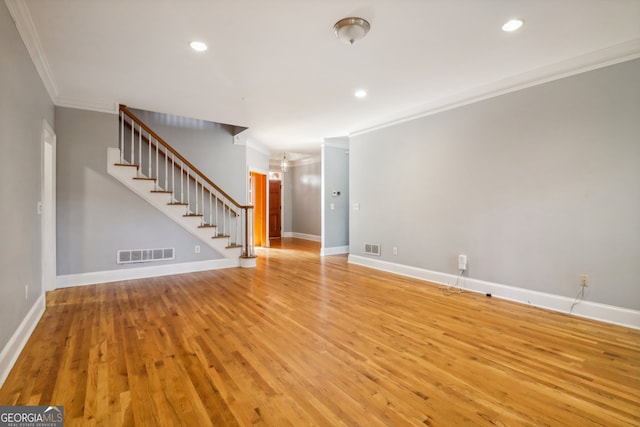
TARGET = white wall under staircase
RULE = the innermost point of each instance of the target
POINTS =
(161, 201)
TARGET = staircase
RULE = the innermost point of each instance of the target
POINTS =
(154, 170)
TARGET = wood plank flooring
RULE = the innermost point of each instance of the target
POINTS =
(304, 340)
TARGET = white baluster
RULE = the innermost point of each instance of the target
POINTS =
(121, 137)
(237, 227)
(224, 218)
(140, 153)
(188, 192)
(210, 212)
(181, 182)
(217, 223)
(133, 128)
(157, 168)
(202, 199)
(166, 169)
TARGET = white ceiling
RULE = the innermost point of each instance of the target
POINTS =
(276, 67)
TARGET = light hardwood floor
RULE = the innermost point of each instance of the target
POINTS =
(305, 340)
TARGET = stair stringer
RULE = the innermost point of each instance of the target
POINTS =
(143, 188)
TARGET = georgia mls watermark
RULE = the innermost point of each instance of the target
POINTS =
(31, 416)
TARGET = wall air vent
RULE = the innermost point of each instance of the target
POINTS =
(130, 256)
(372, 249)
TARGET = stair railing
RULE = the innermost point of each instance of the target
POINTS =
(173, 174)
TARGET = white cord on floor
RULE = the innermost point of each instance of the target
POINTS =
(453, 289)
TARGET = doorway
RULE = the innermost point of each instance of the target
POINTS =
(47, 207)
(275, 209)
(258, 187)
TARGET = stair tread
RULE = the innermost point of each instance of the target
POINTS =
(177, 204)
(233, 246)
(207, 226)
(144, 178)
(192, 214)
(162, 191)
(127, 164)
(220, 236)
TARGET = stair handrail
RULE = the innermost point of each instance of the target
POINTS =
(164, 143)
(247, 252)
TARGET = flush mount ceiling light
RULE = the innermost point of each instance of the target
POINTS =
(198, 46)
(512, 25)
(360, 93)
(350, 30)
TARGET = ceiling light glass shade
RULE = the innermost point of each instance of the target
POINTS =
(350, 30)
(361, 93)
(284, 165)
(512, 25)
(198, 46)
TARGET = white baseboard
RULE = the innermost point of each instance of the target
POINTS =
(93, 278)
(591, 310)
(18, 340)
(335, 250)
(303, 236)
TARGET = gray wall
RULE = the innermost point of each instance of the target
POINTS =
(257, 161)
(24, 104)
(305, 210)
(96, 214)
(208, 146)
(287, 202)
(335, 177)
(536, 186)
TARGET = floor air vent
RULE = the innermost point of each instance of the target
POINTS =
(372, 249)
(145, 255)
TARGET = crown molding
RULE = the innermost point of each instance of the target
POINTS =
(306, 161)
(275, 164)
(340, 142)
(27, 30)
(101, 107)
(611, 55)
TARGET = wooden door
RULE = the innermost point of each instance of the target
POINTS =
(275, 209)
(259, 201)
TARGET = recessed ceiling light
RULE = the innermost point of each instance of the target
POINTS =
(198, 46)
(360, 93)
(512, 25)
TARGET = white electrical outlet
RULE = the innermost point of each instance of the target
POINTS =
(463, 262)
(196, 249)
(395, 250)
(584, 280)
